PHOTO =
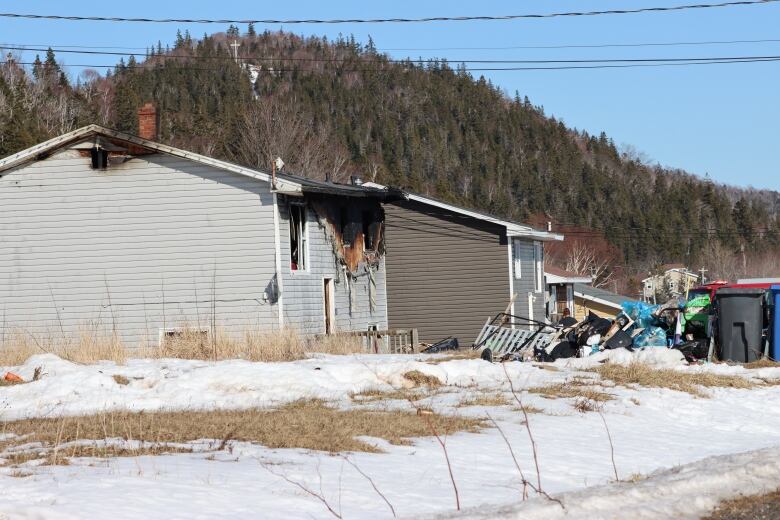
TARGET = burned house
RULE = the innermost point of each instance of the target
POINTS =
(104, 232)
(450, 268)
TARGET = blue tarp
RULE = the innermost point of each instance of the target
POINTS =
(641, 313)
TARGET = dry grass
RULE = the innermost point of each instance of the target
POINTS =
(186, 343)
(121, 380)
(304, 424)
(420, 379)
(375, 394)
(690, 382)
(271, 346)
(748, 507)
(583, 405)
(3, 382)
(762, 363)
(529, 409)
(494, 399)
(573, 391)
(85, 347)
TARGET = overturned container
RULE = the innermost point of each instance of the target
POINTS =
(740, 323)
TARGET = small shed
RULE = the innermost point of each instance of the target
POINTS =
(600, 302)
(560, 290)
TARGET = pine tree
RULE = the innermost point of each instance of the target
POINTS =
(250, 31)
(37, 68)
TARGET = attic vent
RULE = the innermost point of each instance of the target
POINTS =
(99, 158)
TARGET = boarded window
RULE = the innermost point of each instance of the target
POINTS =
(297, 237)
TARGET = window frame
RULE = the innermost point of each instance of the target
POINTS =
(517, 259)
(302, 231)
(538, 267)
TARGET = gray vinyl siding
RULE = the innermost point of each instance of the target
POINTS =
(303, 291)
(153, 243)
(446, 273)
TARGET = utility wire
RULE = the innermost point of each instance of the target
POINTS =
(581, 46)
(469, 69)
(418, 61)
(387, 20)
(511, 47)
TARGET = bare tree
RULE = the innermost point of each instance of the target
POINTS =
(272, 127)
(723, 262)
(582, 259)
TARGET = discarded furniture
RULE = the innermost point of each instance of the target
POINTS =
(506, 335)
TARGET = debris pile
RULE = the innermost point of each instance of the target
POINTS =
(732, 323)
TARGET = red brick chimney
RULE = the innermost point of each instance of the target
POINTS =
(147, 122)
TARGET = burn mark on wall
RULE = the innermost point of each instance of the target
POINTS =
(355, 228)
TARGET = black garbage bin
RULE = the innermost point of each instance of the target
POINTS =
(740, 323)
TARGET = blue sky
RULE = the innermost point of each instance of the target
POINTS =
(720, 120)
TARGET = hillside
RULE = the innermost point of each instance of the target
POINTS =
(335, 108)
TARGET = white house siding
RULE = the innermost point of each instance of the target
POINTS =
(142, 246)
(303, 291)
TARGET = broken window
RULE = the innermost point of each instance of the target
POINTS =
(368, 236)
(99, 158)
(297, 237)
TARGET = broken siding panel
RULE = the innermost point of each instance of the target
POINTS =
(446, 273)
(141, 246)
(303, 291)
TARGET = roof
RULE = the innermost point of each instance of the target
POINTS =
(758, 280)
(595, 294)
(513, 229)
(558, 275)
(285, 183)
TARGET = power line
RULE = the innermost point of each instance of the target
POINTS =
(467, 69)
(510, 47)
(387, 20)
(584, 46)
(421, 60)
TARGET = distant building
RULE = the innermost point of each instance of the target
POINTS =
(672, 280)
(560, 290)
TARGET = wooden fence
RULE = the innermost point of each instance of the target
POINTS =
(393, 341)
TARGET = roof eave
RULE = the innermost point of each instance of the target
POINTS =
(595, 299)
(554, 278)
(544, 236)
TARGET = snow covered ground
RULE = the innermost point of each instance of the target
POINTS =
(652, 429)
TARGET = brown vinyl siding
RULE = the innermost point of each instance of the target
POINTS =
(446, 273)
